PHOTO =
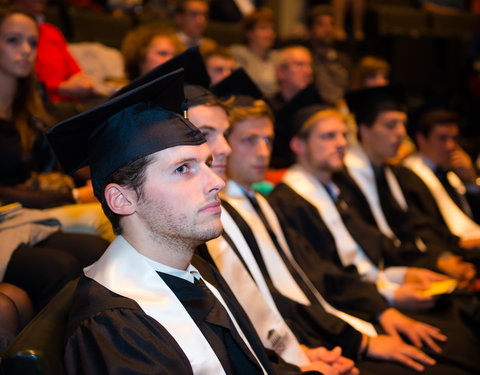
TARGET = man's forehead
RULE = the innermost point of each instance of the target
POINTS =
(392, 114)
(450, 128)
(253, 125)
(176, 154)
(329, 124)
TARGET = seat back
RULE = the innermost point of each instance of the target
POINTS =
(38, 348)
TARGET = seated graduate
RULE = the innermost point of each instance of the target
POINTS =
(374, 186)
(255, 259)
(143, 308)
(309, 201)
(209, 114)
(448, 173)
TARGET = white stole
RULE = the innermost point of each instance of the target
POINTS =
(234, 195)
(278, 271)
(126, 272)
(310, 189)
(254, 296)
(361, 170)
(457, 221)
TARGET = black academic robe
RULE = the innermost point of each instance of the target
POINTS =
(110, 334)
(406, 225)
(422, 202)
(312, 325)
(455, 316)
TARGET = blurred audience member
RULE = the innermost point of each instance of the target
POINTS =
(257, 56)
(146, 47)
(449, 174)
(219, 63)
(370, 71)
(294, 71)
(191, 17)
(55, 66)
(28, 170)
(332, 67)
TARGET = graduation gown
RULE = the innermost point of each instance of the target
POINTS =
(312, 325)
(108, 333)
(455, 317)
(415, 242)
(433, 198)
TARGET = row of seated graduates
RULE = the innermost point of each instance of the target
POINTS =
(59, 297)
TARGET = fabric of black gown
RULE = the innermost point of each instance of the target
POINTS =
(110, 334)
(452, 314)
(406, 225)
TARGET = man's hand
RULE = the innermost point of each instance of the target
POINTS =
(454, 266)
(470, 243)
(462, 165)
(79, 85)
(394, 349)
(423, 277)
(343, 365)
(412, 297)
(395, 323)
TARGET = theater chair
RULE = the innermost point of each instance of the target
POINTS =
(38, 348)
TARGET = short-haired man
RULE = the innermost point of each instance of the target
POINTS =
(191, 18)
(263, 249)
(312, 203)
(449, 174)
(294, 71)
(220, 64)
(143, 308)
(376, 188)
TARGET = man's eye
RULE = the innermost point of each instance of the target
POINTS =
(13, 40)
(182, 169)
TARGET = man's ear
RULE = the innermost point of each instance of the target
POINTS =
(298, 146)
(361, 131)
(120, 200)
(420, 139)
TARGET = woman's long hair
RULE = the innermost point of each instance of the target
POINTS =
(28, 112)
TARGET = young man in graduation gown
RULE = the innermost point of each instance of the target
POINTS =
(453, 192)
(375, 187)
(250, 252)
(143, 308)
(311, 202)
(209, 114)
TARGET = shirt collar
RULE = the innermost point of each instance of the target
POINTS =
(189, 274)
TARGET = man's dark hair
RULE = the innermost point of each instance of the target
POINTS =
(131, 176)
(434, 117)
(317, 11)
(368, 116)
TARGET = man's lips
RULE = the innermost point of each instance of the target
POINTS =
(213, 207)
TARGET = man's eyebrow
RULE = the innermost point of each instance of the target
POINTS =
(184, 160)
(206, 127)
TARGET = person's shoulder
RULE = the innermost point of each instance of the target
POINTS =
(92, 299)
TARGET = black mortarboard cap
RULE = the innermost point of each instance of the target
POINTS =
(138, 123)
(282, 156)
(367, 103)
(190, 60)
(303, 114)
(197, 95)
(238, 83)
